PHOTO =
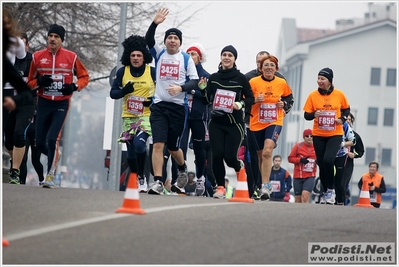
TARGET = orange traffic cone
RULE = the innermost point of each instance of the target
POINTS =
(131, 203)
(364, 197)
(5, 242)
(241, 194)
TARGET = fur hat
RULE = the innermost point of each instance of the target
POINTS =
(58, 29)
(231, 49)
(307, 132)
(135, 43)
(174, 31)
(328, 73)
(197, 47)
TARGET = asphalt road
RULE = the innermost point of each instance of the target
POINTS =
(81, 226)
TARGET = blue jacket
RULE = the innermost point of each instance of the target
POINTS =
(348, 136)
(199, 104)
(283, 178)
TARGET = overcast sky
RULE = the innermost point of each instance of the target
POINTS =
(252, 26)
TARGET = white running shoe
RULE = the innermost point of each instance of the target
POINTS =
(330, 196)
(179, 190)
(142, 182)
(200, 187)
(265, 191)
(182, 178)
(156, 188)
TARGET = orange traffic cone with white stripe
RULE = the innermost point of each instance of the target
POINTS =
(131, 203)
(241, 194)
(364, 197)
(5, 242)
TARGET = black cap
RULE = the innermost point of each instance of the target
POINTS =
(231, 49)
(58, 29)
(174, 31)
(328, 73)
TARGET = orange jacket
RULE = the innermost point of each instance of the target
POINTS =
(303, 150)
(377, 180)
(65, 64)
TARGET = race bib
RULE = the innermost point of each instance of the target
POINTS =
(326, 120)
(135, 105)
(169, 69)
(224, 100)
(275, 186)
(55, 88)
(267, 112)
(309, 167)
(373, 197)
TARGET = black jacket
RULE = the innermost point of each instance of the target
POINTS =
(11, 75)
(232, 80)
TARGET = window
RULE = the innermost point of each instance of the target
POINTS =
(373, 116)
(388, 117)
(375, 76)
(391, 77)
(386, 157)
(370, 155)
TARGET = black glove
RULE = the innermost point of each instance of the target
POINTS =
(148, 102)
(68, 89)
(304, 160)
(44, 80)
(128, 88)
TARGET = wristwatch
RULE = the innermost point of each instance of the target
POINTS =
(193, 91)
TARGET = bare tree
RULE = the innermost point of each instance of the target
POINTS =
(92, 28)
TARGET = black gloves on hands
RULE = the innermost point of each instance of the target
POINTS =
(68, 89)
(148, 102)
(304, 160)
(128, 88)
(44, 80)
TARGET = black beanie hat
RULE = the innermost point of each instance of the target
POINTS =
(174, 31)
(58, 29)
(326, 72)
(231, 49)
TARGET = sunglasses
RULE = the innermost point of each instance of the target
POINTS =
(308, 135)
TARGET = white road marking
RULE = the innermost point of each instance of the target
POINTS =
(67, 225)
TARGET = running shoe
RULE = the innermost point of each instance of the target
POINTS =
(177, 189)
(330, 197)
(156, 188)
(323, 198)
(220, 192)
(14, 177)
(214, 188)
(200, 188)
(256, 194)
(41, 183)
(49, 182)
(182, 178)
(265, 191)
(142, 182)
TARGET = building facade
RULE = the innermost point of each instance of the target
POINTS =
(363, 55)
